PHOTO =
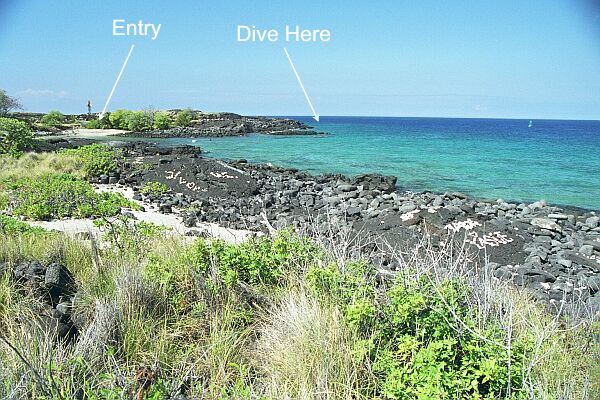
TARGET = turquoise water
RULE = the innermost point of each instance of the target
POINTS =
(488, 158)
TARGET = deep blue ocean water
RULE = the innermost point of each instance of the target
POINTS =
(558, 161)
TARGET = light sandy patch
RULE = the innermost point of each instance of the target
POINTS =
(172, 221)
(90, 133)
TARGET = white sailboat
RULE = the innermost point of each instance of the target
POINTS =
(530, 124)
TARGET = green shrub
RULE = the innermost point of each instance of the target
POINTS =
(184, 118)
(353, 288)
(119, 119)
(427, 345)
(98, 159)
(12, 225)
(257, 262)
(53, 118)
(343, 285)
(128, 235)
(154, 188)
(15, 136)
(177, 281)
(139, 121)
(60, 196)
(4, 200)
(162, 120)
(96, 124)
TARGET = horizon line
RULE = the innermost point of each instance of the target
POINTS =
(341, 115)
(426, 117)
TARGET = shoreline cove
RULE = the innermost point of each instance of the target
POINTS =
(553, 253)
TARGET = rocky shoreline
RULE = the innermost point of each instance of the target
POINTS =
(551, 251)
(229, 124)
(201, 125)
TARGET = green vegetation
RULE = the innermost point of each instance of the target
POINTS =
(60, 196)
(162, 120)
(143, 120)
(9, 225)
(96, 124)
(184, 118)
(130, 120)
(119, 119)
(53, 119)
(34, 165)
(50, 185)
(154, 188)
(275, 318)
(15, 136)
(97, 159)
(283, 317)
(139, 121)
(429, 345)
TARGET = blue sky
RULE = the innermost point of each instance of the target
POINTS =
(519, 59)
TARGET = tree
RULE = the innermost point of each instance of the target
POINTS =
(139, 121)
(53, 118)
(162, 120)
(184, 117)
(15, 136)
(119, 119)
(8, 103)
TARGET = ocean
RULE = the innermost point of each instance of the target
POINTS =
(558, 161)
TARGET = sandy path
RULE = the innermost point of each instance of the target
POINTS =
(74, 226)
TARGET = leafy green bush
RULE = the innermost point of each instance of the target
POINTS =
(4, 200)
(422, 340)
(427, 345)
(353, 288)
(119, 119)
(348, 336)
(162, 120)
(60, 196)
(12, 225)
(129, 235)
(97, 124)
(177, 281)
(154, 188)
(259, 261)
(139, 121)
(184, 118)
(98, 159)
(93, 124)
(15, 136)
(53, 118)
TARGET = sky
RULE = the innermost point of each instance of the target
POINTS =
(470, 58)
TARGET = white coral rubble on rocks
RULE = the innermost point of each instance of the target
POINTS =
(467, 225)
(493, 239)
(409, 215)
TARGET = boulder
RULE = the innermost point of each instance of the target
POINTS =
(586, 249)
(592, 222)
(546, 223)
(346, 188)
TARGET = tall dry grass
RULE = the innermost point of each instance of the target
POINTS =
(34, 165)
(295, 346)
(305, 351)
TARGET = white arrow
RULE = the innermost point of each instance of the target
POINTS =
(116, 83)
(315, 115)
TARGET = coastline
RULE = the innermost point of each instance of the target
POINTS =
(552, 252)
